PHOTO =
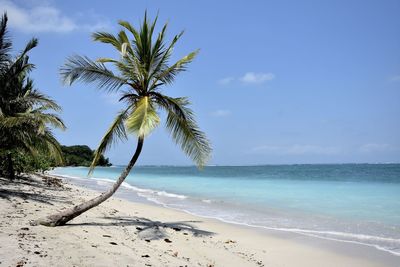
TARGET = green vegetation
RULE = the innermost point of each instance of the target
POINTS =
(81, 155)
(25, 163)
(26, 139)
(143, 68)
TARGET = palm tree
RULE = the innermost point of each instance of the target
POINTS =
(143, 68)
(24, 116)
(5, 44)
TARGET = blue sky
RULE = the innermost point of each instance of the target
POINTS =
(275, 81)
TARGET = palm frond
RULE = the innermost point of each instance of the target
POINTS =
(43, 143)
(47, 118)
(20, 65)
(130, 98)
(86, 70)
(128, 71)
(33, 118)
(163, 56)
(53, 147)
(29, 46)
(167, 76)
(124, 40)
(18, 69)
(144, 118)
(184, 130)
(133, 31)
(14, 121)
(114, 133)
(107, 38)
(35, 98)
(5, 42)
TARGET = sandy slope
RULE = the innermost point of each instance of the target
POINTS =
(121, 233)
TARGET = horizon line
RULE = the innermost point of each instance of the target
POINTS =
(253, 165)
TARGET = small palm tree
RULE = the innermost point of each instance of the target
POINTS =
(24, 116)
(143, 68)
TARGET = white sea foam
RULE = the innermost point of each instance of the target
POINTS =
(103, 180)
(149, 192)
(156, 201)
(66, 176)
(356, 238)
(165, 194)
(135, 188)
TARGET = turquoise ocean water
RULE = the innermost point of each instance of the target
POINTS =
(357, 203)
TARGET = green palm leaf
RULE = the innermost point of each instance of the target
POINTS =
(168, 74)
(86, 70)
(184, 130)
(144, 118)
(114, 133)
(36, 98)
(5, 43)
(107, 38)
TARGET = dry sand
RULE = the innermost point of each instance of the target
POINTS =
(122, 233)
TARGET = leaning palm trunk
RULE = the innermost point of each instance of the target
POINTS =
(63, 217)
(143, 68)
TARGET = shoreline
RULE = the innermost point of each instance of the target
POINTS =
(331, 234)
(205, 241)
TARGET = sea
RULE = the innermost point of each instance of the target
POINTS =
(357, 203)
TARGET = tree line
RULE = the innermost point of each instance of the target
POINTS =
(81, 155)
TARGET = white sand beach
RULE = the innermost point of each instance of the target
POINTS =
(123, 233)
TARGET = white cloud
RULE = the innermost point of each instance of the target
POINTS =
(297, 150)
(221, 113)
(226, 80)
(44, 18)
(395, 78)
(248, 78)
(257, 78)
(374, 148)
